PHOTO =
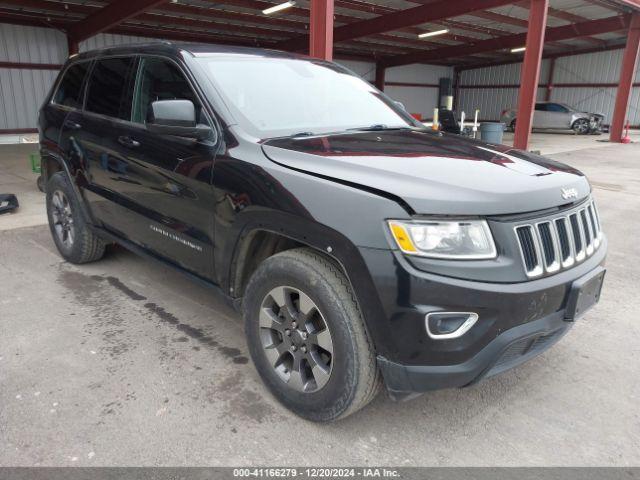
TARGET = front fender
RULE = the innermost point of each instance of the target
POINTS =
(328, 241)
(578, 115)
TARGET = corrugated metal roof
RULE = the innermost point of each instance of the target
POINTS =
(243, 21)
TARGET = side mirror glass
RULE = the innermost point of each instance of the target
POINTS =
(176, 117)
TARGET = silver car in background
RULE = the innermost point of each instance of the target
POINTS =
(557, 116)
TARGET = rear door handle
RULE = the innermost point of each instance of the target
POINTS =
(71, 125)
(128, 142)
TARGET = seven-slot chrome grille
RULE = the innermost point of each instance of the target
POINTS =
(559, 242)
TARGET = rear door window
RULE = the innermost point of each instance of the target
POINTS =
(109, 88)
(70, 88)
(554, 107)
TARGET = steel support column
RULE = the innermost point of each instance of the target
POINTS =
(625, 83)
(72, 46)
(321, 29)
(456, 88)
(530, 73)
(380, 77)
(552, 68)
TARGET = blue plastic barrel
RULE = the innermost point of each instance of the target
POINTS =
(491, 132)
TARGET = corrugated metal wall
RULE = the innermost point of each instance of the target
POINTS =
(492, 101)
(600, 67)
(420, 99)
(22, 91)
(590, 68)
(417, 99)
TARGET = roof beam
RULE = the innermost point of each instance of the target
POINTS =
(170, 15)
(567, 17)
(484, 30)
(498, 17)
(565, 32)
(400, 19)
(110, 16)
(632, 3)
(608, 5)
(565, 53)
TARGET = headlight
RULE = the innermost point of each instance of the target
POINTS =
(457, 240)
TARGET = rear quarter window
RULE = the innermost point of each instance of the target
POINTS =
(70, 88)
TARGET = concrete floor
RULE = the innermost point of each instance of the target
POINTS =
(124, 362)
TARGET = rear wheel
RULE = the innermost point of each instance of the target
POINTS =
(512, 125)
(307, 337)
(75, 242)
(581, 126)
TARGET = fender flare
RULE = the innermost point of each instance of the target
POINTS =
(64, 167)
(332, 244)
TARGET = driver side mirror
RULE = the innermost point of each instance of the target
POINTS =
(176, 117)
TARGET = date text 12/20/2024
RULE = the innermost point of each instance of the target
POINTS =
(367, 472)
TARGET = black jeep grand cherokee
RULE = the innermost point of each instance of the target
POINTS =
(360, 247)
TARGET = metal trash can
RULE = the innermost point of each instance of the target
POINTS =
(491, 132)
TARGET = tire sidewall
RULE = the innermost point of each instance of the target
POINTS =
(59, 181)
(336, 396)
(576, 123)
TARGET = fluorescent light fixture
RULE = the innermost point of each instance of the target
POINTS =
(434, 33)
(519, 49)
(277, 8)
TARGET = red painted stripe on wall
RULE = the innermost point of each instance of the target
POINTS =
(30, 66)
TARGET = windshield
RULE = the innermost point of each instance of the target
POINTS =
(274, 97)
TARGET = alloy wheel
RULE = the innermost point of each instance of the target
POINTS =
(62, 218)
(581, 127)
(296, 339)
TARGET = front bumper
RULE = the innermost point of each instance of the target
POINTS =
(516, 322)
(508, 350)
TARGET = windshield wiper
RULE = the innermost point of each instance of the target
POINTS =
(378, 128)
(302, 134)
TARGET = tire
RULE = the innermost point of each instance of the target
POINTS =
(40, 183)
(73, 238)
(353, 378)
(581, 126)
(512, 126)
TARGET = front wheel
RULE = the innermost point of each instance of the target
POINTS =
(581, 126)
(307, 337)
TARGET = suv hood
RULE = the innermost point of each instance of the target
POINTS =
(435, 173)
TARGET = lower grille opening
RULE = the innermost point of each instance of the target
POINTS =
(521, 350)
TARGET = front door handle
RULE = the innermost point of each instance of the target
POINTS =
(71, 125)
(128, 142)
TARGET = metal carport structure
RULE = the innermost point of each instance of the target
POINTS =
(473, 33)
